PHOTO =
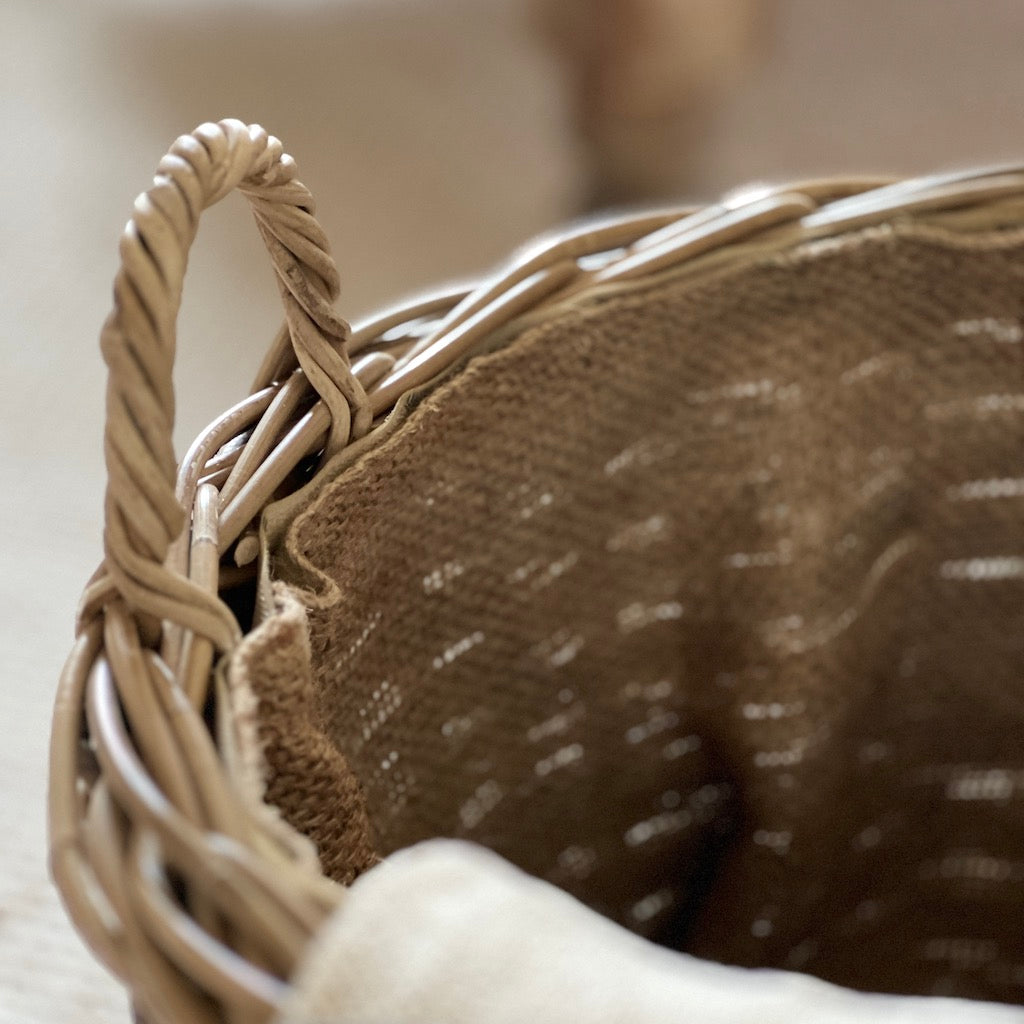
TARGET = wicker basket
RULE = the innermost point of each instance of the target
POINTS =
(812, 392)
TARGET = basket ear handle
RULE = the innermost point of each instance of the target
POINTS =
(143, 516)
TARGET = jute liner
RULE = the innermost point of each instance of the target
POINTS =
(186, 886)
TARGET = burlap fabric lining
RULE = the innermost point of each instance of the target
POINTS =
(703, 601)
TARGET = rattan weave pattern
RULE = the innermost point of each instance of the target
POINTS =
(191, 894)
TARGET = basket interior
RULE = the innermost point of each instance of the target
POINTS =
(703, 601)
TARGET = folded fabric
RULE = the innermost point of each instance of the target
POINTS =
(447, 932)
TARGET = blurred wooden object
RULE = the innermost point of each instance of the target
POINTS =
(646, 77)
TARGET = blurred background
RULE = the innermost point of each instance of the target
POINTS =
(437, 135)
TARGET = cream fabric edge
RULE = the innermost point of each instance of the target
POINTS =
(447, 932)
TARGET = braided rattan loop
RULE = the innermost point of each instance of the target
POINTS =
(146, 797)
(143, 515)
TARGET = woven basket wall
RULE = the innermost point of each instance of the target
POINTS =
(680, 562)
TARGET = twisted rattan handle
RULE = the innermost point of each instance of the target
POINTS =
(143, 516)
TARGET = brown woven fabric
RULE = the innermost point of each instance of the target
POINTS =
(310, 779)
(704, 602)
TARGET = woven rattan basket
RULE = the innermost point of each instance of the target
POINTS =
(680, 562)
